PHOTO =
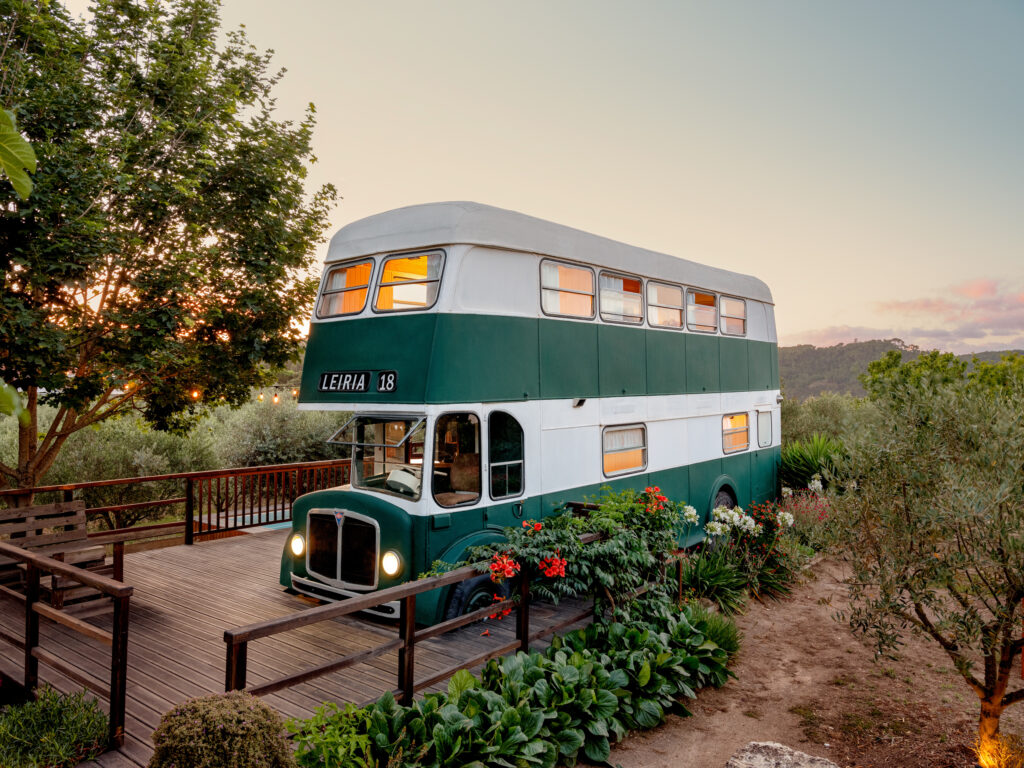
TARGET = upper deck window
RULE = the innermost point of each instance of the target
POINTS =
(566, 290)
(734, 316)
(701, 312)
(664, 305)
(622, 298)
(408, 282)
(345, 290)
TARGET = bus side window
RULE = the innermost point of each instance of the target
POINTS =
(566, 290)
(735, 433)
(701, 311)
(505, 443)
(764, 429)
(456, 467)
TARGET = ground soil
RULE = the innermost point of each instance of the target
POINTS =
(804, 680)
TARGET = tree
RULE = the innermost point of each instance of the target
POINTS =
(935, 519)
(165, 252)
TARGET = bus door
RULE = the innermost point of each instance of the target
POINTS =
(506, 473)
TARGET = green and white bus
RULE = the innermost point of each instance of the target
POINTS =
(498, 366)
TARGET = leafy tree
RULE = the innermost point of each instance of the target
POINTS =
(167, 245)
(17, 159)
(934, 519)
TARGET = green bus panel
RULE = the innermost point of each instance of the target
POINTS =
(738, 468)
(666, 362)
(759, 365)
(622, 361)
(775, 365)
(703, 478)
(568, 359)
(733, 365)
(475, 354)
(702, 364)
(762, 474)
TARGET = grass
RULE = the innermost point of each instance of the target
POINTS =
(54, 731)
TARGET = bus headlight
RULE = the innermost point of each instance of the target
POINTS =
(391, 563)
(297, 544)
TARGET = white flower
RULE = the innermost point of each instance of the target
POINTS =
(787, 492)
(715, 528)
(815, 484)
(689, 515)
(785, 519)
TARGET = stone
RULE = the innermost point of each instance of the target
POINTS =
(768, 754)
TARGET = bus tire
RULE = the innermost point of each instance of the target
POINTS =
(724, 499)
(475, 593)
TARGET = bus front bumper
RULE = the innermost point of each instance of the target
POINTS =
(322, 591)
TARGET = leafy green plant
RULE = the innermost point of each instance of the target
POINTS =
(54, 731)
(711, 573)
(801, 460)
(332, 737)
(229, 730)
(717, 627)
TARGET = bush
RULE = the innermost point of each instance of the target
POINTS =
(829, 414)
(333, 736)
(231, 730)
(717, 627)
(53, 731)
(801, 460)
(710, 573)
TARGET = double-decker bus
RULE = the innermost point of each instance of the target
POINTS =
(498, 366)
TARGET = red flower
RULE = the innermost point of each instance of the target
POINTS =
(485, 633)
(537, 526)
(503, 567)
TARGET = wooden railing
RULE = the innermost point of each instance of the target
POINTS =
(117, 639)
(209, 502)
(237, 640)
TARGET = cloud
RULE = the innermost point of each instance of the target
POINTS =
(977, 289)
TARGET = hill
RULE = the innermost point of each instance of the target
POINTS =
(807, 370)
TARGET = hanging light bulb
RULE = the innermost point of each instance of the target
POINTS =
(260, 397)
(195, 394)
(277, 398)
(295, 393)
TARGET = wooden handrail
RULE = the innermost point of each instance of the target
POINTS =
(97, 581)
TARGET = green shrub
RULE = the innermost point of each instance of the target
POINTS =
(801, 460)
(53, 731)
(230, 730)
(332, 737)
(828, 414)
(711, 573)
(717, 627)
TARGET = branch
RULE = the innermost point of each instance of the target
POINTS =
(1013, 697)
(960, 661)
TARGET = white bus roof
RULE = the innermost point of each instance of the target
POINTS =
(439, 224)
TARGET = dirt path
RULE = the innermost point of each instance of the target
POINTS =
(804, 680)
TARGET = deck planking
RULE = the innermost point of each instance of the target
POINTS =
(185, 597)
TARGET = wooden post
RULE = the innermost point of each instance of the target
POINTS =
(31, 627)
(68, 495)
(118, 672)
(118, 561)
(406, 657)
(234, 679)
(190, 510)
(523, 615)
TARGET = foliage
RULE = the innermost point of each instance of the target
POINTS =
(53, 731)
(717, 627)
(229, 730)
(589, 688)
(710, 573)
(827, 414)
(333, 736)
(813, 518)
(932, 525)
(258, 433)
(17, 160)
(801, 460)
(11, 403)
(168, 242)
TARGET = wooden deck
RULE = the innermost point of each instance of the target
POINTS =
(185, 597)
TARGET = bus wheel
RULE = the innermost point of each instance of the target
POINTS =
(473, 594)
(724, 499)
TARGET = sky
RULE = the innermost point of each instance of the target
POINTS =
(863, 158)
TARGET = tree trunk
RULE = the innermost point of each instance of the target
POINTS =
(988, 723)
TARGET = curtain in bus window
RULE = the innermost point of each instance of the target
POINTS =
(567, 290)
(345, 290)
(701, 313)
(664, 305)
(621, 299)
(409, 282)
(625, 449)
(735, 433)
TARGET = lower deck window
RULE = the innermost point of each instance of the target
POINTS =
(456, 469)
(625, 449)
(735, 433)
(764, 429)
(505, 441)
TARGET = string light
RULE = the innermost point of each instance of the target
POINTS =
(260, 397)
(195, 394)
(277, 398)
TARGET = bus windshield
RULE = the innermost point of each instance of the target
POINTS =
(387, 453)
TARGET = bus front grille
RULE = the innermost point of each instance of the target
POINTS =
(353, 538)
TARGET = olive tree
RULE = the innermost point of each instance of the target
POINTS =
(934, 513)
(165, 251)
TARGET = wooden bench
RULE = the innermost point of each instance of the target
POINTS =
(58, 531)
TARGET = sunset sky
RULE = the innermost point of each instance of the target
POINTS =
(866, 159)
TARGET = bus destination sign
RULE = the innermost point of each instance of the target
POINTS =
(357, 381)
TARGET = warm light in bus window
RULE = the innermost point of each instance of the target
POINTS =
(701, 312)
(735, 433)
(623, 462)
(345, 290)
(409, 282)
(567, 290)
(624, 449)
